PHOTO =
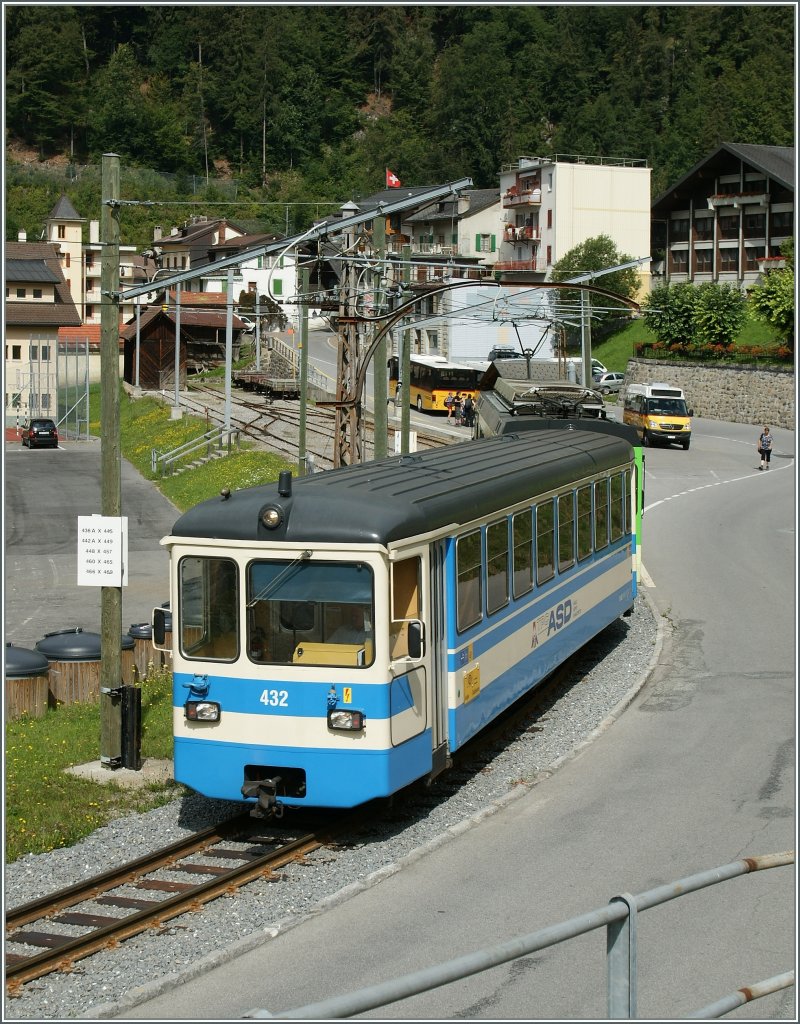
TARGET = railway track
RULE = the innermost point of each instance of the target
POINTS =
(54, 932)
(276, 424)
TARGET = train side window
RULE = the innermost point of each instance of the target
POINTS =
(584, 522)
(545, 542)
(566, 531)
(522, 539)
(496, 566)
(617, 506)
(208, 608)
(406, 604)
(469, 596)
(600, 514)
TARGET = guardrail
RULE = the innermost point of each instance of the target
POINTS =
(619, 919)
(163, 463)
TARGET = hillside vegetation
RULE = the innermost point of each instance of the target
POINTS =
(274, 105)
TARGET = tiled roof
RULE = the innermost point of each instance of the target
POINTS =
(193, 233)
(60, 312)
(479, 199)
(189, 318)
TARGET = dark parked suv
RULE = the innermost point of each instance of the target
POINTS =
(39, 433)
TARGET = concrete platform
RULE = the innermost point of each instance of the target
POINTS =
(152, 771)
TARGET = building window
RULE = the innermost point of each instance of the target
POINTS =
(37, 293)
(66, 259)
(21, 293)
(62, 231)
(679, 230)
(89, 260)
(45, 353)
(45, 401)
(549, 254)
(433, 339)
(16, 400)
(729, 259)
(704, 229)
(34, 353)
(755, 223)
(89, 312)
(16, 351)
(782, 222)
(752, 254)
(679, 260)
(729, 226)
(703, 260)
(549, 218)
(183, 263)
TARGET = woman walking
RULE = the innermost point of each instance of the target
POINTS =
(765, 448)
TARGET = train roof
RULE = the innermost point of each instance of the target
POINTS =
(407, 495)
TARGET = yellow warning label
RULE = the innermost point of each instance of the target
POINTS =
(472, 684)
(347, 695)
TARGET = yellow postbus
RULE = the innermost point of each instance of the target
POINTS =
(659, 414)
(433, 378)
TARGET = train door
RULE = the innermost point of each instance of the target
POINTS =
(409, 628)
(438, 656)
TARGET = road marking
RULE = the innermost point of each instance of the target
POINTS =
(716, 483)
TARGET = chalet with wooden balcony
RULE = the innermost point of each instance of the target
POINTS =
(726, 219)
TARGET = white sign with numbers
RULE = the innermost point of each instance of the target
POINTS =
(102, 551)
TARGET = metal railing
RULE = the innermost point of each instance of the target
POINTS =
(164, 463)
(619, 919)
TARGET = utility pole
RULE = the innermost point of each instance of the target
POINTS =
(110, 463)
(405, 373)
(379, 388)
(302, 466)
(348, 448)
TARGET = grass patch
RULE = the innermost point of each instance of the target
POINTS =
(47, 808)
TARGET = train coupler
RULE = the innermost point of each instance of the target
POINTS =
(265, 791)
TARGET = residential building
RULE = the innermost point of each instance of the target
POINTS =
(37, 303)
(81, 262)
(552, 204)
(726, 219)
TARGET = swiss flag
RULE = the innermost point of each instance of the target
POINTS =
(392, 181)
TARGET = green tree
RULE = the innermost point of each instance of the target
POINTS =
(719, 313)
(773, 301)
(669, 313)
(599, 253)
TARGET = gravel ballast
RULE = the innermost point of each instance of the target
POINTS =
(608, 673)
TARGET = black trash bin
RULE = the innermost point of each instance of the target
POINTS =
(27, 682)
(74, 657)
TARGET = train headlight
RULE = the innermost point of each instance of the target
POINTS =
(343, 718)
(272, 517)
(202, 710)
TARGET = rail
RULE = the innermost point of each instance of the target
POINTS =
(620, 921)
(163, 463)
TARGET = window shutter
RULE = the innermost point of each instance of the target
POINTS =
(454, 238)
(477, 243)
(277, 286)
(494, 243)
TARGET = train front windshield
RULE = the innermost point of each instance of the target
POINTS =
(313, 613)
(296, 612)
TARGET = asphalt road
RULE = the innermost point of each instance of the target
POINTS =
(697, 773)
(45, 492)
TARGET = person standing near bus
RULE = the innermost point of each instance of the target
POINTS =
(765, 448)
(448, 404)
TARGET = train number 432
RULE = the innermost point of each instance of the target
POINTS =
(275, 698)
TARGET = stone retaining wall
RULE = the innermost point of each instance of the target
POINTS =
(736, 394)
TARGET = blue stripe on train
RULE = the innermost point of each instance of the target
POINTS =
(334, 777)
(468, 719)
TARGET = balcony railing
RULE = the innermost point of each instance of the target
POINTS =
(524, 233)
(522, 197)
(738, 199)
(537, 266)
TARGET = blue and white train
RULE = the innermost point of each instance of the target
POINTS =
(337, 636)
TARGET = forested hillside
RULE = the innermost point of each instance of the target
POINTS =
(316, 101)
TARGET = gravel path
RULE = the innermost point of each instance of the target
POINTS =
(609, 671)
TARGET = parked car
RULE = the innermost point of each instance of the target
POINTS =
(504, 353)
(249, 326)
(39, 433)
(608, 383)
